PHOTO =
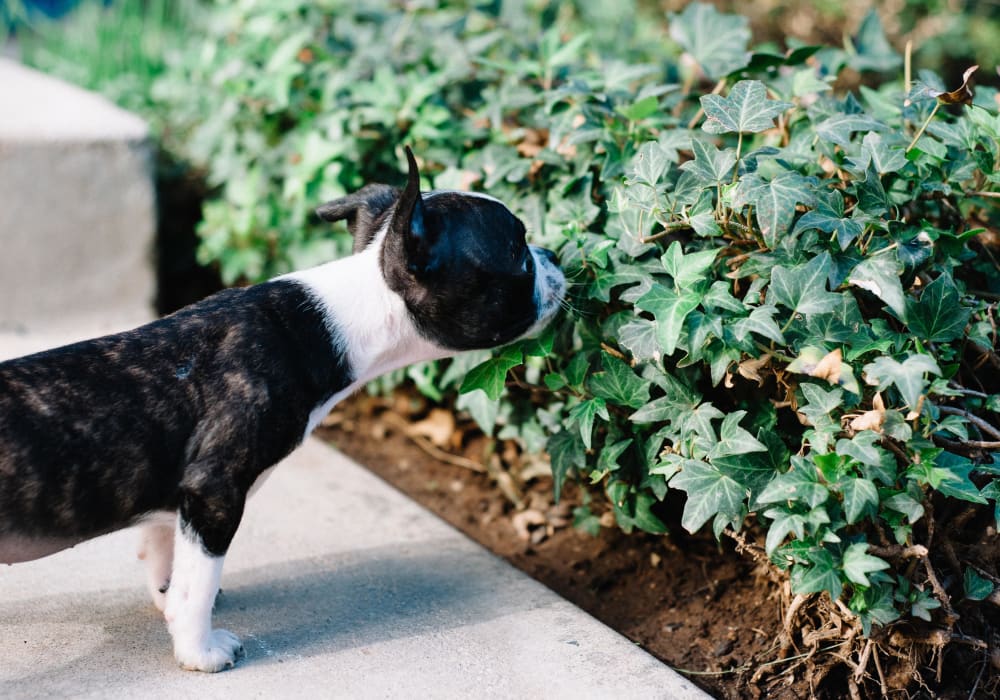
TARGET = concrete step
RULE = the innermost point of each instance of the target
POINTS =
(77, 205)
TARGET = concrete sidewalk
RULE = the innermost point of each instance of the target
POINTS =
(339, 586)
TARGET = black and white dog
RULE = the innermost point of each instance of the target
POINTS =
(171, 424)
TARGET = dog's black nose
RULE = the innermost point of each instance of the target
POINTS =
(550, 256)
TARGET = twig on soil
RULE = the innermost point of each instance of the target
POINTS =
(942, 595)
(793, 608)
(897, 551)
(881, 676)
(427, 446)
(862, 666)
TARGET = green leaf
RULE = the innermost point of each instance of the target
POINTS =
(839, 127)
(710, 166)
(639, 337)
(800, 483)
(709, 492)
(871, 195)
(608, 459)
(635, 510)
(976, 587)
(619, 384)
(491, 375)
(860, 498)
(584, 413)
(879, 274)
(871, 49)
(821, 576)
(775, 201)
(858, 564)
(718, 42)
(670, 309)
(760, 321)
(878, 155)
(567, 454)
(938, 317)
(745, 110)
(687, 270)
(783, 523)
(959, 485)
(639, 110)
(905, 504)
(803, 288)
(907, 376)
(481, 407)
(734, 440)
(650, 163)
(829, 218)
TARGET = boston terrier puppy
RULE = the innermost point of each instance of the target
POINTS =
(171, 425)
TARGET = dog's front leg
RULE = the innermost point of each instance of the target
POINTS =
(205, 527)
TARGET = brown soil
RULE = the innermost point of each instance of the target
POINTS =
(711, 612)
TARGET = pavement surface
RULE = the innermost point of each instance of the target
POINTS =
(339, 586)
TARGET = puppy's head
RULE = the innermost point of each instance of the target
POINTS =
(458, 260)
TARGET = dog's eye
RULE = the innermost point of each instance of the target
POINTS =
(528, 266)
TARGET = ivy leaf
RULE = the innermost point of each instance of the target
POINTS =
(649, 164)
(640, 109)
(746, 109)
(958, 485)
(567, 455)
(775, 200)
(635, 510)
(670, 309)
(619, 384)
(871, 194)
(858, 563)
(709, 492)
(839, 127)
(638, 336)
(734, 440)
(879, 274)
(783, 522)
(481, 407)
(828, 217)
(938, 316)
(907, 376)
(803, 288)
(821, 576)
(584, 413)
(800, 483)
(905, 504)
(608, 459)
(687, 270)
(491, 375)
(860, 498)
(976, 587)
(710, 166)
(760, 321)
(871, 48)
(877, 154)
(718, 42)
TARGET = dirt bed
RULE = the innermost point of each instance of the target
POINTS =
(708, 611)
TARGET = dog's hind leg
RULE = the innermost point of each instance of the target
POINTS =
(156, 548)
(205, 527)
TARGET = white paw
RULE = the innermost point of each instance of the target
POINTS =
(219, 652)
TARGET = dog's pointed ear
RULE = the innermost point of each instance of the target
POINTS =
(408, 222)
(361, 210)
